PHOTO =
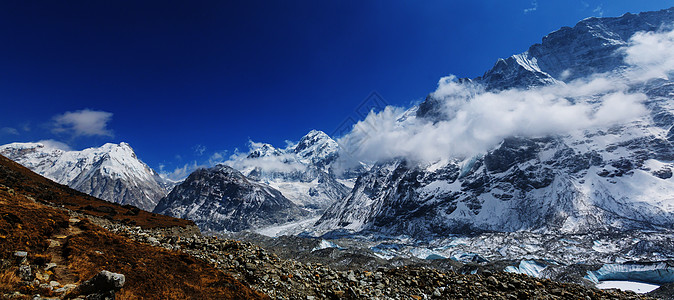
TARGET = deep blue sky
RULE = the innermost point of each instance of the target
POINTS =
(179, 76)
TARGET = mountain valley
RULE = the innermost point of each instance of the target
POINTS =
(548, 176)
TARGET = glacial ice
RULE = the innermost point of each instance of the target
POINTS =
(647, 273)
(528, 267)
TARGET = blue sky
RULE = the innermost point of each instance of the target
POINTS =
(183, 80)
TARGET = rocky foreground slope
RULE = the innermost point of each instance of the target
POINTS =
(290, 279)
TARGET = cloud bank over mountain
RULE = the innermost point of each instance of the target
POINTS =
(473, 120)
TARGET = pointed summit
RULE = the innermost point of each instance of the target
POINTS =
(316, 147)
(111, 172)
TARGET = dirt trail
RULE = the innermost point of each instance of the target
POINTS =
(62, 273)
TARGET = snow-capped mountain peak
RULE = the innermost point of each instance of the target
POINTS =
(609, 176)
(316, 147)
(264, 150)
(300, 171)
(111, 172)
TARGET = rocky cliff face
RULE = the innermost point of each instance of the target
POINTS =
(111, 172)
(223, 199)
(590, 47)
(596, 178)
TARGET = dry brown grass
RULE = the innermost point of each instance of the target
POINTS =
(25, 225)
(40, 259)
(149, 268)
(8, 280)
(125, 294)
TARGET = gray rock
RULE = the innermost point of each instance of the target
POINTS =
(66, 288)
(152, 241)
(102, 286)
(25, 272)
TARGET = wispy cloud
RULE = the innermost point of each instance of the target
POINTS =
(533, 8)
(283, 162)
(84, 122)
(199, 149)
(598, 11)
(55, 144)
(584, 5)
(179, 173)
(217, 157)
(475, 120)
(8, 131)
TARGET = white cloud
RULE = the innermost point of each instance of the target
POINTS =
(55, 144)
(533, 8)
(476, 121)
(285, 162)
(84, 122)
(179, 173)
(484, 121)
(199, 149)
(598, 11)
(651, 55)
(217, 157)
(8, 131)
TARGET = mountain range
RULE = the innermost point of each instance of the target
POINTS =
(603, 172)
(612, 177)
(274, 186)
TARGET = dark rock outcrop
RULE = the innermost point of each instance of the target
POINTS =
(223, 199)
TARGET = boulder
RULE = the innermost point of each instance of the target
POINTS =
(102, 286)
